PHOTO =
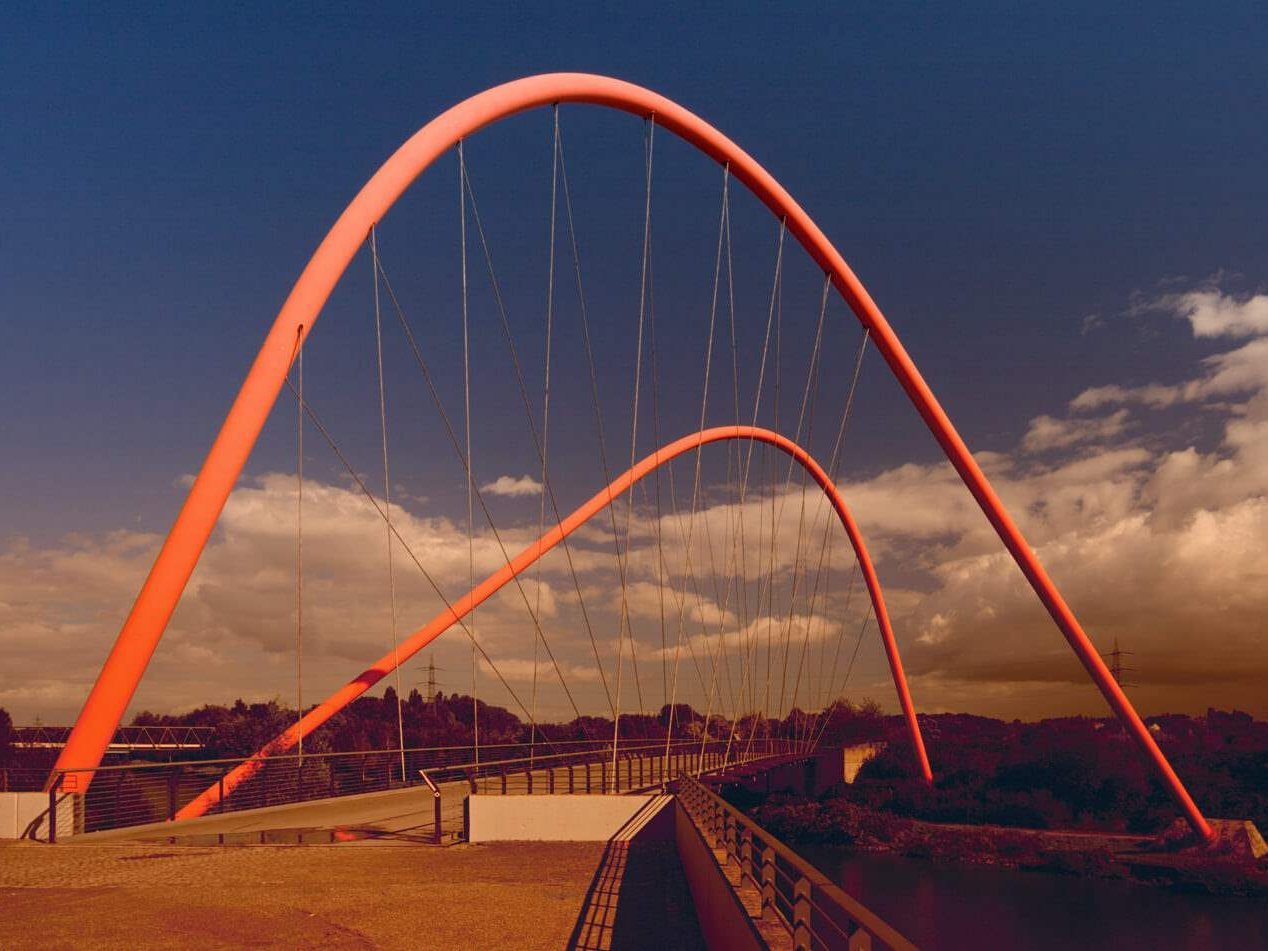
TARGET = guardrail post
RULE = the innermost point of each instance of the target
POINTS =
(52, 808)
(118, 795)
(768, 878)
(587, 779)
(746, 857)
(550, 780)
(528, 778)
(173, 789)
(801, 914)
(220, 793)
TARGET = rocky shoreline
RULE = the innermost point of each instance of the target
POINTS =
(1142, 859)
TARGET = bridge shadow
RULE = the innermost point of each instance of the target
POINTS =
(638, 897)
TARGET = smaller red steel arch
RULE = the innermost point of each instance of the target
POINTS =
(492, 584)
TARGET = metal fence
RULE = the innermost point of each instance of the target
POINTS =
(816, 913)
(142, 793)
(22, 778)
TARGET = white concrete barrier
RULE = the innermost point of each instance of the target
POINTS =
(18, 810)
(567, 818)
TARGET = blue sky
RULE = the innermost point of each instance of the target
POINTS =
(1028, 193)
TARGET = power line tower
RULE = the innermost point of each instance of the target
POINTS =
(1117, 669)
(433, 686)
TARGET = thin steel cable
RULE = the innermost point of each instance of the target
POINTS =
(849, 670)
(528, 411)
(387, 498)
(839, 445)
(550, 314)
(299, 534)
(806, 416)
(466, 392)
(704, 401)
(838, 452)
(779, 258)
(623, 618)
(660, 548)
(686, 531)
(400, 539)
(479, 496)
(805, 423)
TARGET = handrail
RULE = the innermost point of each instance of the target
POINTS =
(435, 792)
(331, 754)
(142, 793)
(816, 912)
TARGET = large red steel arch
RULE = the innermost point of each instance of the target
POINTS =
(455, 612)
(144, 626)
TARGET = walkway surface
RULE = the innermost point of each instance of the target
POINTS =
(370, 894)
(404, 815)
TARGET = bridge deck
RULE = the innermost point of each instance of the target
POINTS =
(406, 814)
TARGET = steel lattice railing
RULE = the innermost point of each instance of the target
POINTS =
(139, 794)
(816, 913)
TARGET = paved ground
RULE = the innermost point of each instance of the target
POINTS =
(372, 894)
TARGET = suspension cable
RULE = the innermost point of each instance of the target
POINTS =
(757, 400)
(387, 497)
(623, 618)
(466, 394)
(462, 459)
(400, 539)
(527, 403)
(299, 535)
(550, 314)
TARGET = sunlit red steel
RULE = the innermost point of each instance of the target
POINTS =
(144, 626)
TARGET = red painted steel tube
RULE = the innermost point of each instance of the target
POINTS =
(525, 559)
(141, 632)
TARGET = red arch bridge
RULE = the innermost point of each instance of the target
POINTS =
(713, 527)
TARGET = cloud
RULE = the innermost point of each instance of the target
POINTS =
(1155, 538)
(1047, 432)
(1158, 544)
(513, 488)
(1215, 314)
(1210, 314)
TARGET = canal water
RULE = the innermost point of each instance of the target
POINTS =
(947, 906)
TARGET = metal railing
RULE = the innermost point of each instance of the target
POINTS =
(816, 913)
(22, 778)
(436, 820)
(143, 793)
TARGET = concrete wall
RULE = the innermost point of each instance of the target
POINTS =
(856, 756)
(724, 921)
(18, 809)
(567, 818)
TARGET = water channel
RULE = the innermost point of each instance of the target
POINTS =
(948, 906)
